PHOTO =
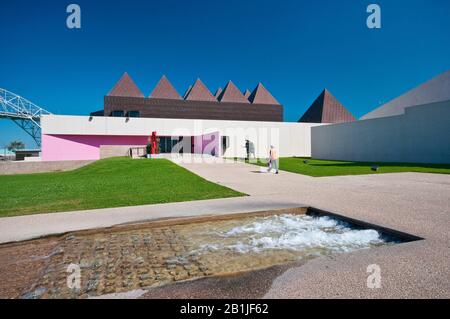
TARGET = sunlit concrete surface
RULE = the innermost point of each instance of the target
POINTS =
(414, 203)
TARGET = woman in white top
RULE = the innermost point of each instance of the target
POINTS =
(273, 155)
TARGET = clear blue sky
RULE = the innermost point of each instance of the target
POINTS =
(296, 48)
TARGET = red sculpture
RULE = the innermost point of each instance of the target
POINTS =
(153, 142)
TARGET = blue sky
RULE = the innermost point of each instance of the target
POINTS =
(296, 48)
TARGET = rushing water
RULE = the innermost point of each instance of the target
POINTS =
(263, 241)
(117, 261)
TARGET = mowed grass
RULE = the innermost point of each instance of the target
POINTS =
(106, 183)
(319, 168)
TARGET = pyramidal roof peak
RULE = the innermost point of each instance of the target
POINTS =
(165, 90)
(199, 92)
(261, 95)
(327, 92)
(125, 87)
(232, 94)
(327, 109)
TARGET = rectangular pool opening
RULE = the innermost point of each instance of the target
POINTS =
(156, 253)
(389, 235)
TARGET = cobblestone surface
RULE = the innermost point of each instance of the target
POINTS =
(118, 262)
(121, 259)
(22, 264)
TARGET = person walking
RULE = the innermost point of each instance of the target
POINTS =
(273, 156)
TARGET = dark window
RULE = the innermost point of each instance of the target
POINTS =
(134, 114)
(225, 142)
(167, 144)
(118, 113)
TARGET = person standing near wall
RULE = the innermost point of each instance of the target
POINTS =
(250, 149)
(273, 155)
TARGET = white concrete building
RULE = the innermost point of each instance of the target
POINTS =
(414, 127)
(91, 138)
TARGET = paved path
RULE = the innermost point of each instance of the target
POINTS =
(410, 202)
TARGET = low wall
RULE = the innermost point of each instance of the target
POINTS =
(421, 135)
(107, 151)
(11, 168)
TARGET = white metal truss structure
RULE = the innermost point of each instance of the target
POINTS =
(24, 113)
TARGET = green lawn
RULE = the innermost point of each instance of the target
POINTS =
(319, 168)
(111, 182)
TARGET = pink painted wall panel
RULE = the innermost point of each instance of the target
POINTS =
(87, 147)
(82, 147)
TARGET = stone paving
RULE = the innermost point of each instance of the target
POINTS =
(117, 262)
(122, 259)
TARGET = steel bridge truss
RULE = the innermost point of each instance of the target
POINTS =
(24, 113)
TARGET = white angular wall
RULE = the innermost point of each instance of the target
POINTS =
(435, 90)
(421, 135)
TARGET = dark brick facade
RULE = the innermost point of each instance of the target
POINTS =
(126, 99)
(185, 109)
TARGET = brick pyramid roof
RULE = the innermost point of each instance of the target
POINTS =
(232, 94)
(165, 90)
(247, 93)
(261, 95)
(199, 92)
(125, 87)
(327, 109)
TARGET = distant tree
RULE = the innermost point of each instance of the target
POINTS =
(15, 145)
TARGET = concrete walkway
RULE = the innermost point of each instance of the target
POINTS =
(414, 203)
(410, 202)
(404, 201)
